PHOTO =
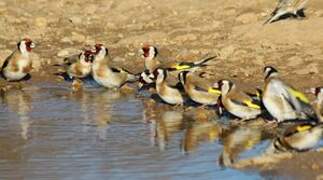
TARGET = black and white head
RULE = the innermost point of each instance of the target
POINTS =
(26, 45)
(86, 57)
(225, 86)
(270, 71)
(148, 52)
(101, 50)
(318, 91)
(146, 77)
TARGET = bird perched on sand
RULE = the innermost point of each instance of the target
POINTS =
(169, 94)
(204, 96)
(18, 65)
(287, 9)
(237, 102)
(107, 76)
(149, 54)
(282, 101)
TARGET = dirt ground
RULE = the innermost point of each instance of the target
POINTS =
(183, 30)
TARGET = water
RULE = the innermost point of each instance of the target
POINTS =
(47, 132)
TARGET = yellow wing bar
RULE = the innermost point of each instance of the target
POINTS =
(251, 105)
(299, 95)
(214, 91)
(303, 128)
(181, 66)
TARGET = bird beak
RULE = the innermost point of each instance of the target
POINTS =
(32, 45)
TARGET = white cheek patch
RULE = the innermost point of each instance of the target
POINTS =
(23, 48)
(151, 76)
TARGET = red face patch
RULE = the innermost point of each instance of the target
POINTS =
(28, 43)
(98, 48)
(89, 56)
(318, 90)
(145, 49)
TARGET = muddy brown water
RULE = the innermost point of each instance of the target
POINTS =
(47, 132)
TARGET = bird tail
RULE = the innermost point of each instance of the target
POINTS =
(203, 62)
(300, 13)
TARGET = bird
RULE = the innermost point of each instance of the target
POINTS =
(146, 80)
(149, 53)
(318, 92)
(106, 75)
(18, 65)
(151, 62)
(287, 9)
(80, 68)
(282, 101)
(237, 102)
(83, 67)
(75, 57)
(169, 94)
(299, 137)
(200, 95)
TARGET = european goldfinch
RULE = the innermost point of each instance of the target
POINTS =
(297, 138)
(287, 9)
(149, 53)
(18, 65)
(282, 101)
(237, 102)
(167, 93)
(146, 80)
(196, 93)
(81, 68)
(318, 92)
(107, 76)
(75, 57)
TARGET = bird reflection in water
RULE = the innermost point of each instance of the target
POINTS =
(168, 123)
(150, 113)
(237, 140)
(202, 128)
(163, 121)
(95, 109)
(19, 102)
